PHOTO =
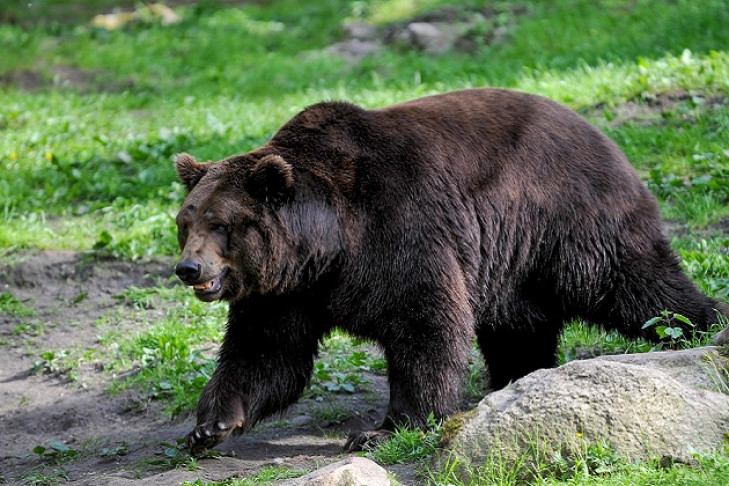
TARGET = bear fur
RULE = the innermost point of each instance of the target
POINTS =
(485, 213)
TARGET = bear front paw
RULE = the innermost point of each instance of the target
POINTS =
(207, 435)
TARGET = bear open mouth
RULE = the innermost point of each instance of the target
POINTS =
(210, 290)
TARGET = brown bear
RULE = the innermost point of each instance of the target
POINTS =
(481, 213)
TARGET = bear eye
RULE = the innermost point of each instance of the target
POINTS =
(220, 228)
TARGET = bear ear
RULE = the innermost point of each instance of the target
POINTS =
(271, 179)
(188, 170)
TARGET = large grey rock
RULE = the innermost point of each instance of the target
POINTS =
(646, 406)
(353, 471)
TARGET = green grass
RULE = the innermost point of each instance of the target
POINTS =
(596, 465)
(11, 306)
(408, 445)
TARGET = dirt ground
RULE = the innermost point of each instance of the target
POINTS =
(124, 438)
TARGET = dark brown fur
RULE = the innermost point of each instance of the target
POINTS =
(482, 213)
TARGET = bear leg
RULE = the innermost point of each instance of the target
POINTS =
(425, 375)
(265, 363)
(647, 284)
(512, 351)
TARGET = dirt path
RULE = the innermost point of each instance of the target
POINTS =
(123, 438)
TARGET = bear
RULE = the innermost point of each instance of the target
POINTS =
(482, 214)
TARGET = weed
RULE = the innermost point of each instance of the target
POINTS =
(51, 362)
(342, 366)
(39, 478)
(331, 414)
(326, 378)
(593, 459)
(120, 450)
(408, 445)
(57, 452)
(28, 329)
(675, 329)
(174, 456)
(14, 307)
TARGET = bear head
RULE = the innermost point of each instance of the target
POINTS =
(246, 227)
(227, 224)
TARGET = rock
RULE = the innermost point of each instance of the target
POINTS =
(432, 37)
(301, 420)
(360, 31)
(354, 471)
(721, 338)
(645, 406)
(353, 50)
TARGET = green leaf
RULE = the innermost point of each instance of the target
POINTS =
(59, 446)
(683, 319)
(103, 241)
(650, 322)
(79, 298)
(674, 332)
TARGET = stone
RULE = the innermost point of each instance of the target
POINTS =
(353, 471)
(353, 50)
(360, 31)
(432, 37)
(644, 406)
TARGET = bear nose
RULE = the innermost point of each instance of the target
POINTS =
(188, 271)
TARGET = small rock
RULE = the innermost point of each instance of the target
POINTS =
(301, 420)
(721, 338)
(360, 31)
(354, 471)
(432, 37)
(353, 50)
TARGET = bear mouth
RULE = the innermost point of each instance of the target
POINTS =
(210, 290)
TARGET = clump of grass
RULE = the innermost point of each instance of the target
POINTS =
(14, 307)
(408, 445)
(580, 340)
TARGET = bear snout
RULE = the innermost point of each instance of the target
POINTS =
(188, 271)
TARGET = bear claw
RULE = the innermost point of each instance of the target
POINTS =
(206, 436)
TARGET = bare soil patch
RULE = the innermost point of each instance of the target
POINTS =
(651, 109)
(124, 438)
(66, 77)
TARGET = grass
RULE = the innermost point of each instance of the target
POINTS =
(595, 465)
(408, 445)
(11, 306)
(86, 141)
(267, 475)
